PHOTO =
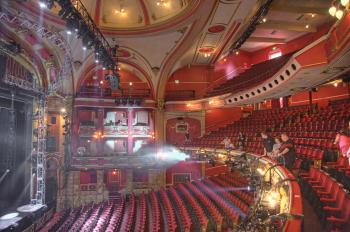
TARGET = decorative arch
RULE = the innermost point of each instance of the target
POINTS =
(91, 69)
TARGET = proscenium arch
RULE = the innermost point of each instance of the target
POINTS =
(36, 65)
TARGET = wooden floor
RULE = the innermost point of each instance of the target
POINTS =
(311, 221)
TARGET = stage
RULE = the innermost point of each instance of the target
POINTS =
(23, 217)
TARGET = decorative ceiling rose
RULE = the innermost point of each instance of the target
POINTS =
(206, 51)
(216, 29)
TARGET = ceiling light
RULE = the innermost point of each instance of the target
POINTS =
(117, 11)
(264, 20)
(332, 10)
(313, 15)
(84, 48)
(161, 3)
(344, 2)
(96, 61)
(101, 82)
(339, 14)
(237, 53)
(63, 110)
(335, 84)
(42, 5)
(307, 26)
(69, 32)
(130, 83)
(225, 59)
(177, 81)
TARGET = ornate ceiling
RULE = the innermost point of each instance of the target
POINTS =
(157, 39)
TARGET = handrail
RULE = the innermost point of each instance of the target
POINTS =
(295, 213)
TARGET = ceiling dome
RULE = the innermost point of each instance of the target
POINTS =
(136, 14)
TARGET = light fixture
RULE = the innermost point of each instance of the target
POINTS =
(225, 59)
(339, 14)
(264, 20)
(237, 53)
(307, 26)
(42, 5)
(63, 110)
(313, 15)
(207, 54)
(84, 48)
(96, 61)
(161, 3)
(177, 81)
(101, 82)
(344, 2)
(69, 32)
(332, 10)
(335, 84)
(121, 10)
(273, 198)
(130, 83)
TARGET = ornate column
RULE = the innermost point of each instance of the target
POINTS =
(130, 130)
(159, 123)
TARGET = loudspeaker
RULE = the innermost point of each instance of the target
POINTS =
(2, 66)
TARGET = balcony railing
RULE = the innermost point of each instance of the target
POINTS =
(180, 95)
(97, 92)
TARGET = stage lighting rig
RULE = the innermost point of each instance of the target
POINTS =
(79, 21)
(257, 18)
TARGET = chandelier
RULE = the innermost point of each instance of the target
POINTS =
(338, 8)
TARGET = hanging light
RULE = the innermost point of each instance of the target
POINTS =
(339, 14)
(332, 10)
(344, 2)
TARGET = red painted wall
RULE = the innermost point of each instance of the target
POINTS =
(179, 138)
(219, 117)
(322, 96)
(184, 167)
(294, 45)
(190, 78)
(202, 78)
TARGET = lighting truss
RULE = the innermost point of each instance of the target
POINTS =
(257, 18)
(79, 21)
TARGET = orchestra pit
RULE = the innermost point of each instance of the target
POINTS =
(174, 115)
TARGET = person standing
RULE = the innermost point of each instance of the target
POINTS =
(268, 143)
(227, 143)
(241, 140)
(276, 147)
(286, 153)
(343, 139)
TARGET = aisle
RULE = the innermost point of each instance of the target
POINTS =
(311, 221)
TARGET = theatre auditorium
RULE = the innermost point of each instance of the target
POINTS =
(175, 115)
